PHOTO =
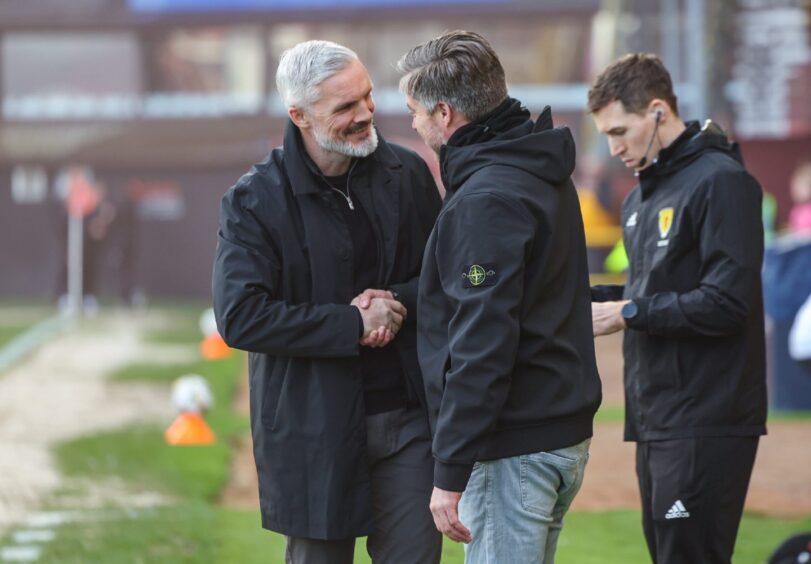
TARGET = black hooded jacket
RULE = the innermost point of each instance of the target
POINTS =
(694, 353)
(504, 326)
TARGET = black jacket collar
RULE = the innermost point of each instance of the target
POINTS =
(694, 141)
(507, 136)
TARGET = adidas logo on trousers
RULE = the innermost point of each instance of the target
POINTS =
(678, 511)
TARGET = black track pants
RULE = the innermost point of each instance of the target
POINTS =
(693, 492)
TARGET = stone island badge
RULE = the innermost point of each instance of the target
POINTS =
(479, 275)
(665, 222)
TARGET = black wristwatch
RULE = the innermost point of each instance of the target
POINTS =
(629, 311)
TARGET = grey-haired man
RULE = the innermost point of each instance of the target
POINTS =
(320, 248)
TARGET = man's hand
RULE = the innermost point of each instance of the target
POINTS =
(606, 317)
(365, 297)
(382, 316)
(445, 509)
(381, 336)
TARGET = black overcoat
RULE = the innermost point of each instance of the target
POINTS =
(282, 283)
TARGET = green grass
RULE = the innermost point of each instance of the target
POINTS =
(616, 414)
(166, 373)
(140, 455)
(194, 529)
(610, 414)
(199, 532)
(10, 332)
(15, 319)
(789, 416)
(182, 327)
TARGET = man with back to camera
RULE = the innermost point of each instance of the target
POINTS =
(316, 273)
(695, 391)
(505, 316)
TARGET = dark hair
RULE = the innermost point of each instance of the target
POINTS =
(634, 80)
(459, 68)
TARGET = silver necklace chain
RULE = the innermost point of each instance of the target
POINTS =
(345, 195)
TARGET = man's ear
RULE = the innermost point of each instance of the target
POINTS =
(659, 109)
(445, 113)
(298, 117)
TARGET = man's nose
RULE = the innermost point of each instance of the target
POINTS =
(366, 111)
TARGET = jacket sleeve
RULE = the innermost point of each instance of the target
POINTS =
(607, 292)
(493, 234)
(427, 203)
(730, 239)
(246, 288)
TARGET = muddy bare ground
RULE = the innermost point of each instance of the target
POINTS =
(62, 392)
(781, 483)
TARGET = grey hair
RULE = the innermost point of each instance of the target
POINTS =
(304, 67)
(459, 68)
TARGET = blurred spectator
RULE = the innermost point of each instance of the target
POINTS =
(799, 219)
(799, 339)
(786, 286)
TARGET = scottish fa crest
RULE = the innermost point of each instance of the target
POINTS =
(665, 222)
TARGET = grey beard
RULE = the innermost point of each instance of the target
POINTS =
(360, 150)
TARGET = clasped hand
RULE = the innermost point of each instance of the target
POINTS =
(382, 316)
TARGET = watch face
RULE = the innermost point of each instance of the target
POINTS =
(629, 310)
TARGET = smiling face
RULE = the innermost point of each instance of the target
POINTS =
(629, 134)
(427, 124)
(341, 121)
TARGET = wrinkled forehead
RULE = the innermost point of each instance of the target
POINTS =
(350, 83)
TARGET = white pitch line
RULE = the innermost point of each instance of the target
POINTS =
(20, 553)
(27, 536)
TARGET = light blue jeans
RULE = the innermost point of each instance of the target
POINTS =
(514, 507)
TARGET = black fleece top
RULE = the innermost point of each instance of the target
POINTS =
(383, 388)
(505, 340)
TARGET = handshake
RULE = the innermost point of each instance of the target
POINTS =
(382, 316)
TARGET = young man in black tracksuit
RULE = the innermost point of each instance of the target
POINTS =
(504, 309)
(695, 391)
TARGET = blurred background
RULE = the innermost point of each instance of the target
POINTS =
(163, 104)
(137, 115)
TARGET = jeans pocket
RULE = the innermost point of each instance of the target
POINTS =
(549, 480)
(540, 480)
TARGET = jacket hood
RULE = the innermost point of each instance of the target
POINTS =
(694, 141)
(507, 136)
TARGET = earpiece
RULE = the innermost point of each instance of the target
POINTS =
(659, 113)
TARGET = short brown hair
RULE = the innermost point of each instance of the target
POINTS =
(459, 68)
(634, 80)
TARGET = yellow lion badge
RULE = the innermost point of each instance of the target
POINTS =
(665, 222)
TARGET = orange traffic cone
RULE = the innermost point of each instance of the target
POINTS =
(213, 347)
(189, 429)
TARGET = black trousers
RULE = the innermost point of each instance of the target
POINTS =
(402, 472)
(693, 491)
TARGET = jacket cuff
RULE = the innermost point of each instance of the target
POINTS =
(406, 295)
(640, 321)
(606, 292)
(360, 323)
(451, 477)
